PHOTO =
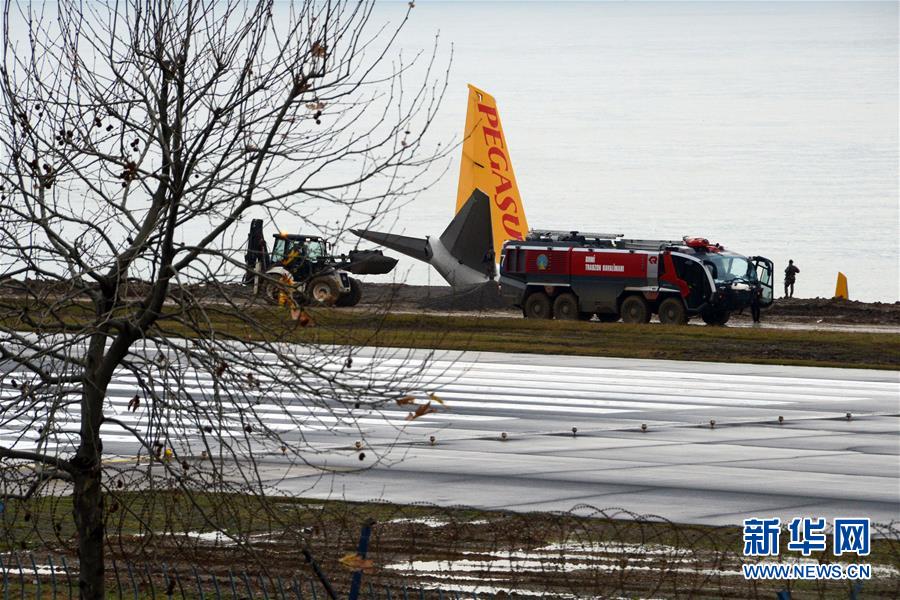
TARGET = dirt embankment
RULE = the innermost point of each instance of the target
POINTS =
(835, 310)
(487, 299)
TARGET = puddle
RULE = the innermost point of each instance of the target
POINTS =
(426, 521)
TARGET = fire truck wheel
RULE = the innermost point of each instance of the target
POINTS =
(323, 291)
(565, 307)
(719, 317)
(635, 310)
(672, 312)
(537, 306)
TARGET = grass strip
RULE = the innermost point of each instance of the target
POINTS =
(497, 334)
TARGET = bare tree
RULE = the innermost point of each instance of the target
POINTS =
(135, 136)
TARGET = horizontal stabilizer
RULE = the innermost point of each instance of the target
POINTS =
(415, 247)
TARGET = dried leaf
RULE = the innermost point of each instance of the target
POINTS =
(406, 400)
(357, 563)
(319, 50)
(434, 397)
(302, 317)
(421, 411)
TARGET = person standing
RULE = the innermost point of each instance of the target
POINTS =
(755, 304)
(790, 276)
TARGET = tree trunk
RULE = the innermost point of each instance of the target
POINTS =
(87, 508)
(87, 499)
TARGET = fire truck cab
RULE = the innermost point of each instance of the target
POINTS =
(576, 275)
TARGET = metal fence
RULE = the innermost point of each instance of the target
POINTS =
(26, 575)
(419, 551)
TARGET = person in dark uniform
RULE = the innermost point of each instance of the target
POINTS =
(490, 269)
(755, 304)
(790, 276)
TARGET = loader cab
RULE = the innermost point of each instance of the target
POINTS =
(290, 247)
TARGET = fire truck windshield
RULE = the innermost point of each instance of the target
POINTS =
(725, 268)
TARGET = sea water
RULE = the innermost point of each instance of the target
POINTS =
(770, 127)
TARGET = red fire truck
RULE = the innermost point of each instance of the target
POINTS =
(576, 275)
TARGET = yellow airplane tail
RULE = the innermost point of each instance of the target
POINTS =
(486, 166)
(489, 208)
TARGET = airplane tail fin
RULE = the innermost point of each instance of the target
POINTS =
(489, 208)
(468, 237)
(486, 166)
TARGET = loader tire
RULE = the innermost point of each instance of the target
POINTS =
(537, 306)
(352, 297)
(635, 310)
(672, 312)
(272, 292)
(565, 307)
(323, 291)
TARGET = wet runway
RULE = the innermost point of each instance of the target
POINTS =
(815, 462)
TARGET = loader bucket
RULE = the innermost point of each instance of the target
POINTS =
(369, 262)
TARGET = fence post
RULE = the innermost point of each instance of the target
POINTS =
(361, 550)
(169, 590)
(52, 574)
(118, 581)
(262, 584)
(5, 579)
(65, 565)
(134, 586)
(150, 580)
(178, 582)
(21, 575)
(233, 586)
(247, 583)
(197, 579)
(215, 582)
(37, 578)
